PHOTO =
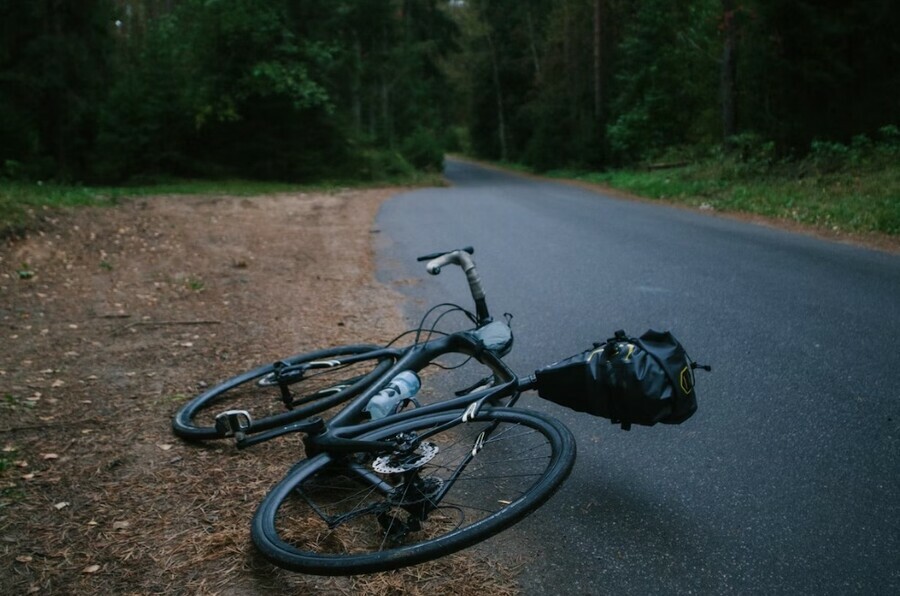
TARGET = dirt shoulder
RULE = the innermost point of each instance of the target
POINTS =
(110, 319)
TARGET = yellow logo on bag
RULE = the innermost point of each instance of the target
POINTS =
(594, 353)
(626, 358)
(686, 379)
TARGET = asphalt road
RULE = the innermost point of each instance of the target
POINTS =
(786, 481)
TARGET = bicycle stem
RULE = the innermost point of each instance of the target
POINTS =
(464, 259)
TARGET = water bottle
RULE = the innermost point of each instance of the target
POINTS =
(403, 386)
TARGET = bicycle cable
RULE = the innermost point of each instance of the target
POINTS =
(434, 325)
(452, 308)
(408, 332)
(429, 332)
(448, 367)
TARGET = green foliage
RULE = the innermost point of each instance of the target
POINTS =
(220, 87)
(54, 66)
(666, 83)
(828, 156)
(556, 124)
(423, 150)
(852, 188)
(383, 164)
(609, 82)
(318, 89)
(456, 139)
(819, 71)
(147, 118)
(255, 88)
(194, 284)
(22, 204)
(889, 137)
(752, 149)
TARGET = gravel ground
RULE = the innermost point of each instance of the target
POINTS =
(109, 320)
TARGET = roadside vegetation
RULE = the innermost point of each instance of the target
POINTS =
(851, 188)
(841, 188)
(24, 205)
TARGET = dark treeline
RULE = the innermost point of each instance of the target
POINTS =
(597, 82)
(279, 89)
(299, 89)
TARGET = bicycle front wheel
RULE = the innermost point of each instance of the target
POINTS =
(448, 485)
(283, 392)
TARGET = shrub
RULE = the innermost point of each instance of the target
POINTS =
(423, 150)
(888, 144)
(377, 164)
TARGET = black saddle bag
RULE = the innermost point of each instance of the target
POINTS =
(628, 380)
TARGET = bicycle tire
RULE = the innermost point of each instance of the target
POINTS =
(299, 525)
(313, 392)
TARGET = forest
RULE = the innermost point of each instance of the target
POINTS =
(297, 90)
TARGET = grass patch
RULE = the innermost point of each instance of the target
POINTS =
(24, 204)
(21, 203)
(860, 199)
(11, 402)
(852, 187)
(6, 459)
(848, 188)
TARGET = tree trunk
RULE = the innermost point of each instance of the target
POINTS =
(531, 41)
(729, 72)
(356, 85)
(569, 60)
(501, 119)
(598, 60)
(387, 126)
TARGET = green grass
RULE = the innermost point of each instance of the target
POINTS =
(857, 193)
(194, 284)
(861, 198)
(22, 204)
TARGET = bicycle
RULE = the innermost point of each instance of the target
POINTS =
(378, 493)
(420, 483)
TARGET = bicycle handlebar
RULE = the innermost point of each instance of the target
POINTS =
(435, 255)
(463, 258)
(456, 257)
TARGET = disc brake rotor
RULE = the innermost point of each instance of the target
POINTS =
(398, 463)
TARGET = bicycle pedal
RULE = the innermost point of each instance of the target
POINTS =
(232, 422)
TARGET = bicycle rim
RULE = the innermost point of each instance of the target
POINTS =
(361, 513)
(326, 383)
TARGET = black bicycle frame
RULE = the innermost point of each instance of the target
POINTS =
(338, 435)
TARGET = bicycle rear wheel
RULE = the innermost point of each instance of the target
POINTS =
(462, 483)
(283, 392)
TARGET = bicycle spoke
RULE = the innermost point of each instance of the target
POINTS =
(450, 490)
